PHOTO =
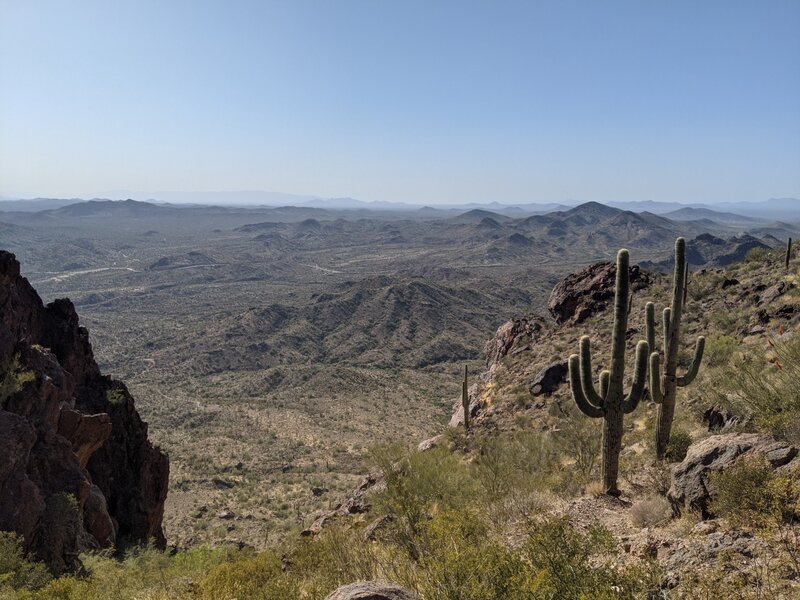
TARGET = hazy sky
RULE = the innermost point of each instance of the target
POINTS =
(403, 101)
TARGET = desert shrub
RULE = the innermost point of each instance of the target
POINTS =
(769, 392)
(651, 511)
(679, 442)
(719, 349)
(523, 461)
(657, 478)
(752, 493)
(416, 482)
(566, 564)
(16, 572)
(579, 438)
(757, 255)
(464, 562)
(256, 577)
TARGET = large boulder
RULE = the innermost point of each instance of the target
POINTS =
(689, 489)
(372, 590)
(76, 468)
(588, 292)
(549, 379)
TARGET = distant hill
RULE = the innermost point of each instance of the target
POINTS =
(107, 208)
(478, 215)
(691, 214)
(417, 321)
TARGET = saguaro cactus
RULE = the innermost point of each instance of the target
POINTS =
(664, 388)
(611, 403)
(465, 400)
(788, 252)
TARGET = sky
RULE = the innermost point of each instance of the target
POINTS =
(423, 102)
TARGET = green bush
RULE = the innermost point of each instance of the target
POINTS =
(719, 349)
(678, 445)
(753, 494)
(16, 572)
(758, 255)
(769, 391)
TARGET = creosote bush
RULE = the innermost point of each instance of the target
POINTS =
(753, 494)
(768, 392)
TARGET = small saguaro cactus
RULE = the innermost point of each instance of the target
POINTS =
(465, 400)
(788, 252)
(664, 388)
(610, 403)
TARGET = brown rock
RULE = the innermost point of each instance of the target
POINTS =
(689, 489)
(511, 337)
(76, 468)
(372, 590)
(588, 292)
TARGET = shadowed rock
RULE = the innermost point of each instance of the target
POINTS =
(588, 292)
(689, 489)
(76, 468)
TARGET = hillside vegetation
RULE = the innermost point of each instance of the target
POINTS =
(512, 508)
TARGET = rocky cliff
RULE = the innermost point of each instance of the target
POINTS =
(76, 468)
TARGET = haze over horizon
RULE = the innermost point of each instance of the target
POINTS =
(421, 103)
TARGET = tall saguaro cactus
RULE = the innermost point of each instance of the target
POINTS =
(788, 252)
(610, 403)
(664, 388)
(465, 400)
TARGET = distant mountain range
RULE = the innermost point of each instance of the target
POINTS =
(727, 212)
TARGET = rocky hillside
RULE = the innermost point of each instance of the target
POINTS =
(77, 471)
(702, 533)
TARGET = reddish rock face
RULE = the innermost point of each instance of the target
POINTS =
(76, 468)
(588, 292)
(512, 336)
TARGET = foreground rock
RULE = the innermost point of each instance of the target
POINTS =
(372, 590)
(588, 292)
(76, 468)
(689, 489)
(356, 504)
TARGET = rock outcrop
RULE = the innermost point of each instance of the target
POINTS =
(511, 337)
(371, 590)
(589, 291)
(549, 379)
(76, 468)
(689, 489)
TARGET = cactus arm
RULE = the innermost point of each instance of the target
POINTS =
(586, 373)
(631, 401)
(605, 380)
(655, 378)
(695, 366)
(586, 407)
(650, 325)
(666, 323)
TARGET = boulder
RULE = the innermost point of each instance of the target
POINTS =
(549, 379)
(589, 292)
(689, 488)
(371, 590)
(431, 443)
(457, 420)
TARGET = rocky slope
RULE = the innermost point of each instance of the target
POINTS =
(665, 511)
(76, 468)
